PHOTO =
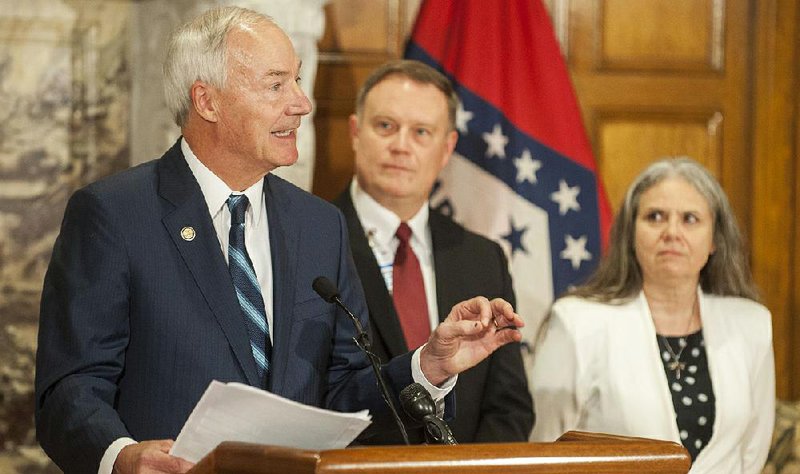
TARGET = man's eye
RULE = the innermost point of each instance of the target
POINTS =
(423, 132)
(275, 87)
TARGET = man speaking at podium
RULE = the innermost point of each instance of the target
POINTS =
(199, 265)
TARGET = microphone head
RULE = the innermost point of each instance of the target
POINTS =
(417, 402)
(325, 289)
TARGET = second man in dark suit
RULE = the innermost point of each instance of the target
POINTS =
(416, 263)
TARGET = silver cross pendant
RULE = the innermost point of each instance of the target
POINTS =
(676, 366)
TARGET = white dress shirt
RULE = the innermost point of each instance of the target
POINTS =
(380, 225)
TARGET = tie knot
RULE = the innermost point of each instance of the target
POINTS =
(237, 204)
(403, 233)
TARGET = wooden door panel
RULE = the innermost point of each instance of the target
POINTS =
(358, 26)
(334, 174)
(677, 35)
(645, 137)
(669, 59)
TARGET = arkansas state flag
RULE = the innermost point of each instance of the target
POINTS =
(523, 172)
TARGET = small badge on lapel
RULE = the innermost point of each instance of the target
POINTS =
(370, 234)
(188, 234)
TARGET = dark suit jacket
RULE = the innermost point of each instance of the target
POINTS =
(492, 399)
(136, 321)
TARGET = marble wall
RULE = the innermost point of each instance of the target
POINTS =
(64, 101)
(80, 98)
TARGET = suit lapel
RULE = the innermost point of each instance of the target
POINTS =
(284, 238)
(444, 262)
(383, 317)
(201, 253)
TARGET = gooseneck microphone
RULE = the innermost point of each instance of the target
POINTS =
(419, 405)
(328, 292)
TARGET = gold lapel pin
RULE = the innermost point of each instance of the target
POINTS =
(188, 234)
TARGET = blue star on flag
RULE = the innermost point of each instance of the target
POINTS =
(514, 237)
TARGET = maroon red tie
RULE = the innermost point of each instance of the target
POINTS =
(408, 291)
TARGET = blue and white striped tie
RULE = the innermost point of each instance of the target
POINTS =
(247, 288)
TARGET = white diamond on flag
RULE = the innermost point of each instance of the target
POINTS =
(486, 206)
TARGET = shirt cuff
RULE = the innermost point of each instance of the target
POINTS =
(110, 456)
(438, 393)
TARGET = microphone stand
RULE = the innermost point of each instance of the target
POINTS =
(362, 341)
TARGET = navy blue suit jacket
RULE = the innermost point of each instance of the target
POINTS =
(136, 321)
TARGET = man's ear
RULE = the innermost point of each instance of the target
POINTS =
(353, 122)
(203, 101)
(451, 140)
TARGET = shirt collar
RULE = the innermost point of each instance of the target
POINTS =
(216, 192)
(380, 224)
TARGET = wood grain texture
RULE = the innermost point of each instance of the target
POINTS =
(575, 452)
(661, 35)
(775, 177)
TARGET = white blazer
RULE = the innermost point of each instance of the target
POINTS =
(598, 369)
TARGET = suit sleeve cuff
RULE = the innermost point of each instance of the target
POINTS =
(438, 393)
(110, 456)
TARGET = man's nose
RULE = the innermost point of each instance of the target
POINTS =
(400, 140)
(300, 104)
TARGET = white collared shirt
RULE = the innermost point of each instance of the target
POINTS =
(380, 225)
(256, 225)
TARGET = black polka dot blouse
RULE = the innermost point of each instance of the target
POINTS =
(686, 366)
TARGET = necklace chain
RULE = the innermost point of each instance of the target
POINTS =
(675, 363)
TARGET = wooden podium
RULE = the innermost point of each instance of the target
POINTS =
(574, 452)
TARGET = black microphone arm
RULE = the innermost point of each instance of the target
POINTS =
(419, 405)
(328, 292)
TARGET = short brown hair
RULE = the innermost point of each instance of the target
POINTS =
(417, 72)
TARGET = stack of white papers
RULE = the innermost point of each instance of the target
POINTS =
(238, 412)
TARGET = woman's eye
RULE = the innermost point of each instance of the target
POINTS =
(655, 216)
(690, 219)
